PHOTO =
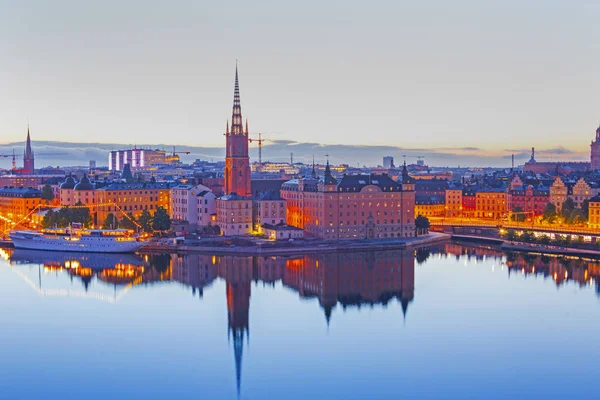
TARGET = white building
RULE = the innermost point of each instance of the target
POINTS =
(192, 203)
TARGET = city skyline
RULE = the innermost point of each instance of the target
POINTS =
(471, 86)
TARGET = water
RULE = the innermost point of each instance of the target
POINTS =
(445, 322)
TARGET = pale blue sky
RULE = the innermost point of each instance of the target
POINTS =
(489, 74)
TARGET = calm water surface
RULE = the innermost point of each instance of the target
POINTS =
(449, 321)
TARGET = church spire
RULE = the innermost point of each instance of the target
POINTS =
(236, 117)
(28, 160)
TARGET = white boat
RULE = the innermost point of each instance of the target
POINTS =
(78, 240)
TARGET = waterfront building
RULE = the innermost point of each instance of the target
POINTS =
(28, 158)
(355, 207)
(528, 199)
(193, 204)
(237, 161)
(268, 208)
(17, 203)
(281, 232)
(469, 202)
(594, 212)
(490, 203)
(234, 214)
(595, 152)
(429, 206)
(454, 206)
(132, 197)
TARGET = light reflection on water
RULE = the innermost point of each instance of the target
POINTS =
(476, 321)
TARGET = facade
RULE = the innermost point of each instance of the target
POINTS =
(356, 207)
(117, 198)
(595, 152)
(454, 205)
(582, 190)
(237, 161)
(185, 205)
(530, 200)
(429, 206)
(281, 232)
(268, 208)
(594, 212)
(28, 158)
(234, 214)
(207, 208)
(558, 193)
(17, 203)
(491, 203)
(136, 158)
(469, 202)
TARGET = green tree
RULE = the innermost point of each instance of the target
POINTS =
(162, 221)
(47, 193)
(567, 210)
(550, 213)
(128, 222)
(584, 210)
(81, 214)
(111, 222)
(49, 219)
(146, 221)
(511, 235)
(528, 237)
(545, 239)
(422, 225)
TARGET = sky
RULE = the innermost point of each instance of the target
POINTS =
(473, 78)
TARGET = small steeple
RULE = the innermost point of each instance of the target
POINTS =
(314, 172)
(227, 127)
(246, 126)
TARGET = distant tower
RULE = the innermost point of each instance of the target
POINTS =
(28, 159)
(595, 151)
(237, 162)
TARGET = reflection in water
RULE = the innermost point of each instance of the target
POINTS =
(352, 279)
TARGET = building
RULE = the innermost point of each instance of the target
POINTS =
(582, 191)
(16, 204)
(136, 158)
(454, 202)
(595, 152)
(594, 212)
(558, 193)
(528, 199)
(268, 208)
(356, 207)
(550, 167)
(281, 232)
(119, 198)
(491, 203)
(237, 161)
(469, 202)
(185, 204)
(207, 209)
(388, 162)
(234, 214)
(28, 158)
(429, 206)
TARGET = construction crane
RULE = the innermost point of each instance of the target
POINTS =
(174, 157)
(260, 141)
(15, 155)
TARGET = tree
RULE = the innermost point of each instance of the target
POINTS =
(585, 210)
(528, 237)
(511, 235)
(110, 222)
(128, 222)
(49, 219)
(545, 239)
(162, 221)
(422, 255)
(422, 225)
(568, 207)
(146, 221)
(47, 193)
(550, 213)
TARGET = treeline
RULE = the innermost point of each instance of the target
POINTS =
(559, 240)
(569, 214)
(146, 222)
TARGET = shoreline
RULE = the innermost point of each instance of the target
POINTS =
(375, 244)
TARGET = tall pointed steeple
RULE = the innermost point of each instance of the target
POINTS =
(28, 159)
(237, 127)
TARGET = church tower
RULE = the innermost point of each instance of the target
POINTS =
(28, 160)
(595, 152)
(237, 162)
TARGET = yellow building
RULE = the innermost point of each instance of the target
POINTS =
(594, 212)
(454, 202)
(490, 203)
(429, 206)
(16, 204)
(131, 198)
(558, 193)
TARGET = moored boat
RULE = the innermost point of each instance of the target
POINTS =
(78, 240)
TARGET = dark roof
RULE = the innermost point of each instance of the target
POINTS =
(270, 195)
(355, 183)
(69, 183)
(428, 200)
(85, 184)
(281, 227)
(595, 199)
(233, 196)
(137, 185)
(202, 193)
(20, 192)
(265, 185)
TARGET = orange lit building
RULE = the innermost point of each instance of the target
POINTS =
(17, 203)
(356, 207)
(491, 203)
